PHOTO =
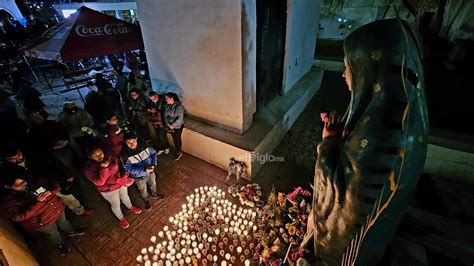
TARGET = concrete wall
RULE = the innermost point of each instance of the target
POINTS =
(13, 246)
(302, 20)
(195, 49)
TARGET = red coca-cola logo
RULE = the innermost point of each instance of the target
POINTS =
(108, 29)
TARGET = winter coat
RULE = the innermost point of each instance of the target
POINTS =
(139, 109)
(113, 139)
(174, 115)
(136, 161)
(22, 207)
(105, 179)
(75, 121)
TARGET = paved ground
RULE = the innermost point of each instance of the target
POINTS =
(107, 244)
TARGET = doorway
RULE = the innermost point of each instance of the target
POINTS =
(271, 37)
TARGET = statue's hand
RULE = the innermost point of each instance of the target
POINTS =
(333, 126)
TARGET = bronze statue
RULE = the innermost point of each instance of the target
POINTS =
(367, 169)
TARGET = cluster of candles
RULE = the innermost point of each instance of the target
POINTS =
(209, 229)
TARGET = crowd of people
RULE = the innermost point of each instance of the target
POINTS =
(113, 143)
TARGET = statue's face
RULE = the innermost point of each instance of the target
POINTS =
(347, 74)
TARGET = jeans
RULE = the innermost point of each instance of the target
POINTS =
(114, 198)
(72, 203)
(150, 179)
(176, 134)
(52, 233)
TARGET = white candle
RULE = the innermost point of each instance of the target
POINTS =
(160, 234)
(157, 251)
(139, 258)
(217, 231)
(155, 257)
(204, 235)
(200, 246)
(227, 256)
(239, 249)
(209, 239)
(254, 228)
(165, 228)
(188, 260)
(162, 255)
(151, 249)
(178, 256)
(153, 239)
(214, 258)
(247, 263)
(143, 251)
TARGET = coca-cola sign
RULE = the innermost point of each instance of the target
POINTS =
(107, 29)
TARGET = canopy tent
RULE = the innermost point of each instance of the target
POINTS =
(85, 34)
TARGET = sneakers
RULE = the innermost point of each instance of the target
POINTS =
(147, 205)
(167, 151)
(64, 250)
(178, 156)
(160, 152)
(124, 223)
(77, 232)
(87, 212)
(157, 196)
(135, 210)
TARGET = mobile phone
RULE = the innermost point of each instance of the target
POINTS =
(39, 191)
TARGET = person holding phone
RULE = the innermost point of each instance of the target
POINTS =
(104, 172)
(36, 209)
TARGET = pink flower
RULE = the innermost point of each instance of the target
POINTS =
(291, 197)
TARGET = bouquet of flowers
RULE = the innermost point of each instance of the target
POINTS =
(282, 227)
(248, 195)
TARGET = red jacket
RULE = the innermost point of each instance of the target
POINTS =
(113, 140)
(105, 179)
(23, 207)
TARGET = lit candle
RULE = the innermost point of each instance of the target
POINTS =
(239, 249)
(254, 228)
(153, 239)
(247, 263)
(188, 260)
(160, 234)
(151, 249)
(143, 251)
(209, 239)
(139, 258)
(165, 228)
(155, 257)
(214, 258)
(162, 255)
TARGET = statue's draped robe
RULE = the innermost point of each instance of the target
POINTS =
(364, 180)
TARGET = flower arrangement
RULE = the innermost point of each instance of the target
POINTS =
(282, 226)
(248, 195)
